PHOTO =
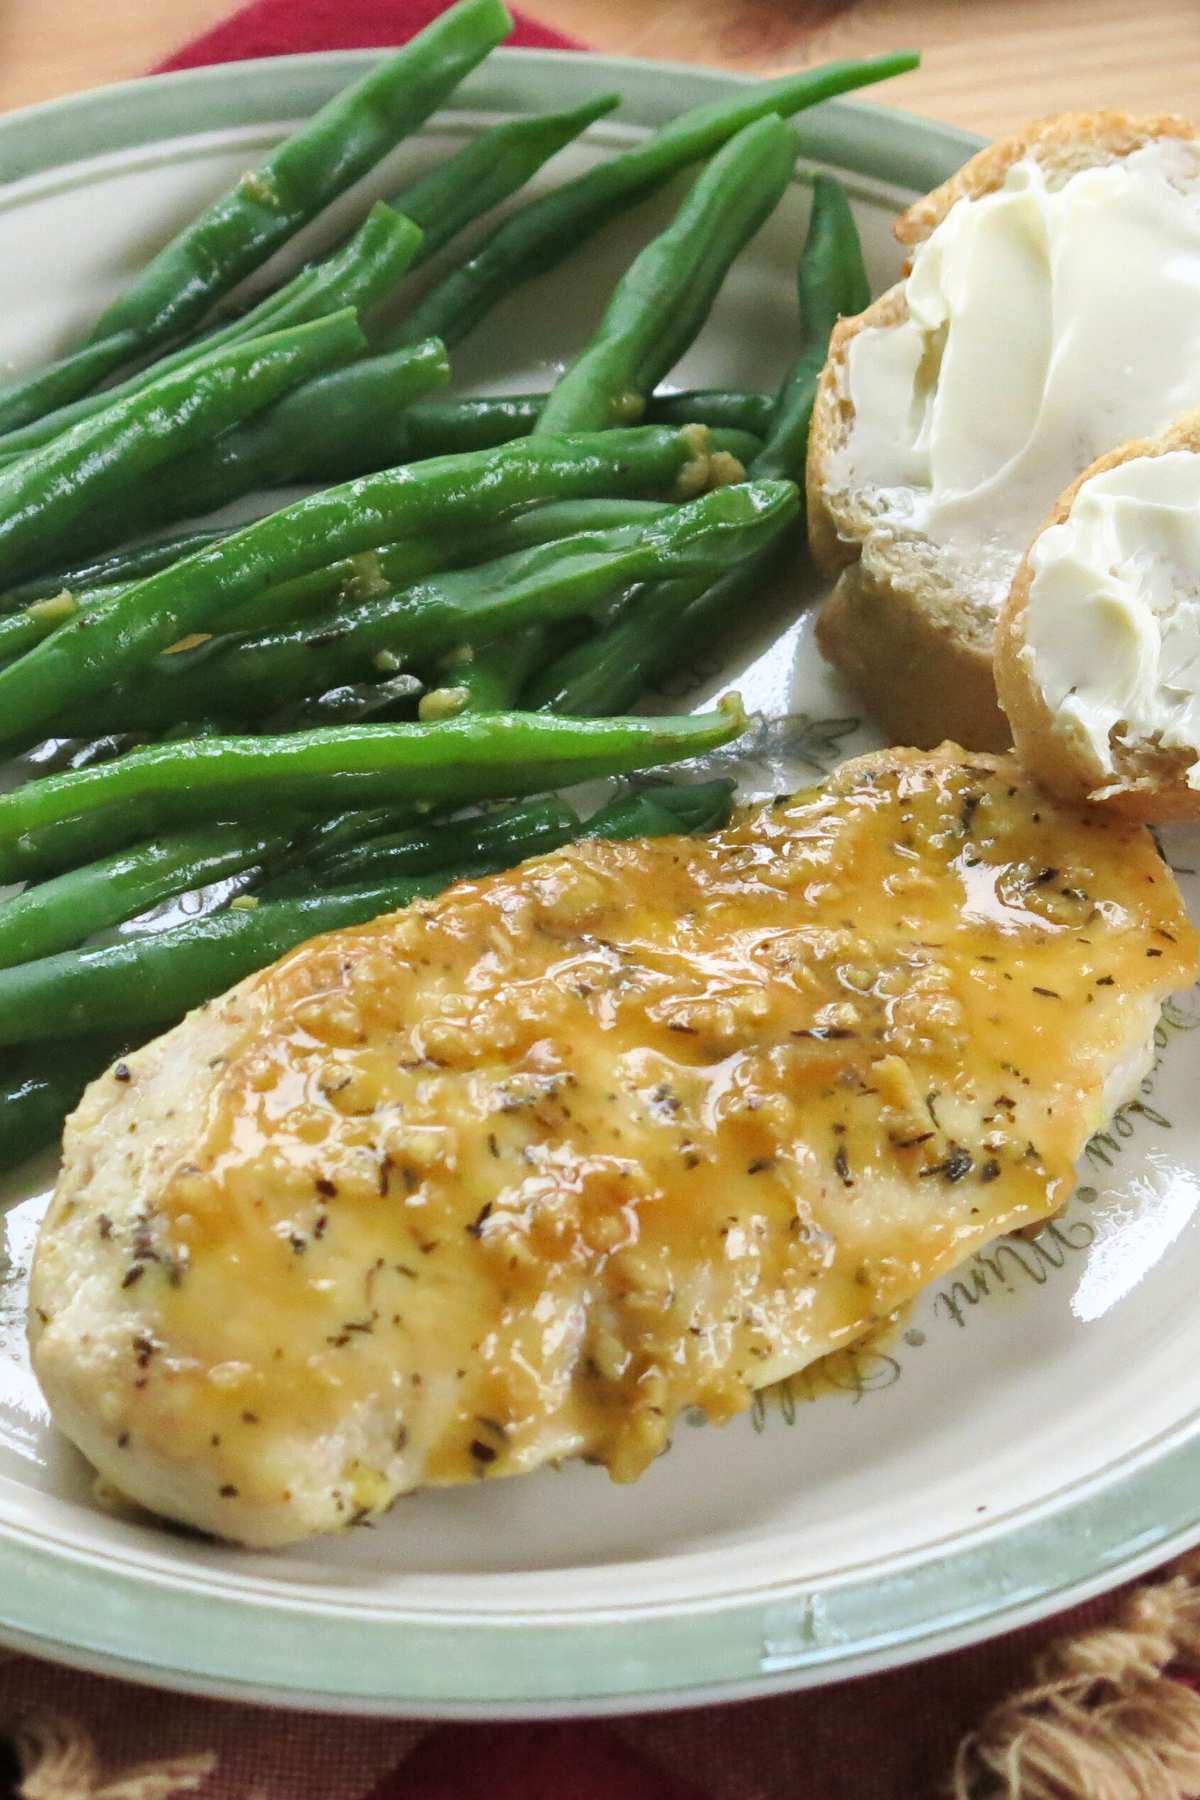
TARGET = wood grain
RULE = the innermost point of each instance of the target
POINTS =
(53, 47)
(989, 64)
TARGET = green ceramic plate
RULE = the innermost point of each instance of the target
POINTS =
(1030, 1437)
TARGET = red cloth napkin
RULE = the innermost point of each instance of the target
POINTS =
(279, 27)
(885, 1737)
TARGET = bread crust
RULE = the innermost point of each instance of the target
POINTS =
(1064, 142)
(874, 628)
(1150, 785)
(877, 630)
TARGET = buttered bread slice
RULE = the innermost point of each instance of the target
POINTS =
(1050, 312)
(1098, 648)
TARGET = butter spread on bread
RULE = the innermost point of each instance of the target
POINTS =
(523, 1172)
(1050, 313)
(1098, 651)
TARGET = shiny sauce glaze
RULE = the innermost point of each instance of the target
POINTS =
(521, 1172)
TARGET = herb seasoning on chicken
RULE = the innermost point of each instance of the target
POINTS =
(519, 1173)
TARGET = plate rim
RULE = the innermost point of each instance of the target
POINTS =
(926, 146)
(119, 1619)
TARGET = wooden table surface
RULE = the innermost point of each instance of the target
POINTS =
(989, 64)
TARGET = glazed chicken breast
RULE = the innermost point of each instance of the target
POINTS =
(517, 1174)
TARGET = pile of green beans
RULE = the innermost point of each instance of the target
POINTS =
(439, 206)
(667, 292)
(616, 667)
(348, 422)
(333, 690)
(652, 318)
(91, 651)
(455, 761)
(547, 230)
(268, 205)
(43, 496)
(325, 591)
(490, 168)
(238, 232)
(417, 625)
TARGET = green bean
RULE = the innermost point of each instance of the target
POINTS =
(502, 837)
(85, 840)
(339, 831)
(666, 294)
(662, 809)
(490, 168)
(443, 427)
(39, 1086)
(545, 231)
(121, 566)
(552, 519)
(57, 914)
(509, 835)
(724, 409)
(20, 631)
(153, 979)
(613, 669)
(832, 282)
(485, 680)
(363, 274)
(743, 446)
(150, 980)
(490, 679)
(501, 755)
(237, 232)
(540, 586)
(344, 423)
(352, 701)
(655, 312)
(47, 389)
(90, 653)
(89, 468)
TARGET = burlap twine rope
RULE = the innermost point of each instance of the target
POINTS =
(58, 1761)
(1102, 1721)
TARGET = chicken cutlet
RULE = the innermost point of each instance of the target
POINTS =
(518, 1173)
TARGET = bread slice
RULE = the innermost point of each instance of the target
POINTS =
(910, 626)
(1147, 780)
